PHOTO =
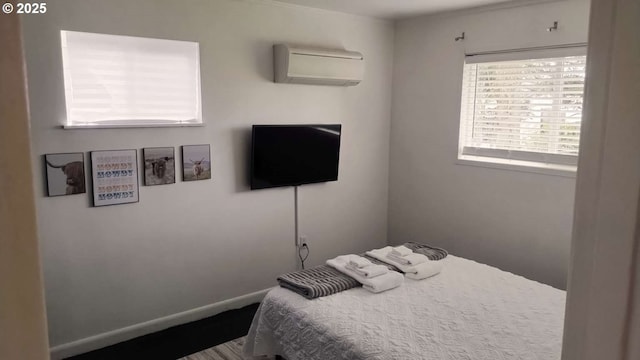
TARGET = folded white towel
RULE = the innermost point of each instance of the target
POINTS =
(412, 259)
(401, 251)
(398, 259)
(349, 257)
(368, 271)
(425, 270)
(416, 272)
(359, 261)
(383, 255)
(376, 284)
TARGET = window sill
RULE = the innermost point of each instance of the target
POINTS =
(518, 165)
(119, 126)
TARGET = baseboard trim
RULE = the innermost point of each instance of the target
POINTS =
(126, 333)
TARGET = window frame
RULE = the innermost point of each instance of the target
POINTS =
(528, 161)
(159, 122)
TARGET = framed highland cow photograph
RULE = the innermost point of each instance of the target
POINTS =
(65, 174)
(159, 165)
(196, 162)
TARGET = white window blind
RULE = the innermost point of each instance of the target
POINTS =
(527, 109)
(130, 81)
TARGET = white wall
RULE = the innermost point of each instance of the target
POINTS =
(517, 221)
(192, 244)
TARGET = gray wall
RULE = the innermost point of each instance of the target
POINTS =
(517, 221)
(192, 244)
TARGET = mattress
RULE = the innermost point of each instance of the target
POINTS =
(470, 311)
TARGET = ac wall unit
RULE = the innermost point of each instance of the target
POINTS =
(307, 65)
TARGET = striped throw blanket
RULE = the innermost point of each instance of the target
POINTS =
(433, 253)
(324, 280)
(316, 282)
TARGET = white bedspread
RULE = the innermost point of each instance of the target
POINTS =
(470, 311)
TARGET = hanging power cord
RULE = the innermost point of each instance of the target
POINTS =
(300, 251)
(303, 245)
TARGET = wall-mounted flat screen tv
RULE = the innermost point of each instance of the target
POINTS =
(291, 155)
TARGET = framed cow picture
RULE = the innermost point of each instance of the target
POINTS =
(196, 162)
(65, 174)
(159, 165)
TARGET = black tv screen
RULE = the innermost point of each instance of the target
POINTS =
(291, 155)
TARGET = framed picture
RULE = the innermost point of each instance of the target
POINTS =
(65, 174)
(159, 165)
(115, 177)
(196, 162)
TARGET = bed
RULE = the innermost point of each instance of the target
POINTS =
(470, 311)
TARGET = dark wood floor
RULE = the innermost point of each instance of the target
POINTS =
(180, 341)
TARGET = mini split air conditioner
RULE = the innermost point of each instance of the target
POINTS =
(307, 65)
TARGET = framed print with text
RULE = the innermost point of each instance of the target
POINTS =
(115, 177)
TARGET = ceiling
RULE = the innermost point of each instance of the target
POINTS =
(393, 9)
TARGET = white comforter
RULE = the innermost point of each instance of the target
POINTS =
(470, 311)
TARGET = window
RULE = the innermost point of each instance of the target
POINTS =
(523, 108)
(120, 81)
